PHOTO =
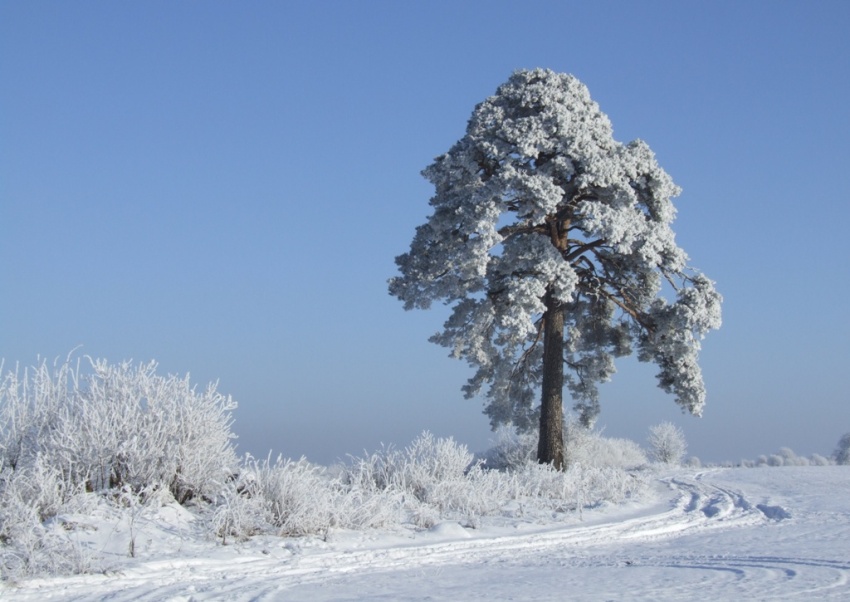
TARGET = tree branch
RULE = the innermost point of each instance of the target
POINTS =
(525, 354)
(584, 248)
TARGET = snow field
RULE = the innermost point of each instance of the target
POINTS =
(717, 531)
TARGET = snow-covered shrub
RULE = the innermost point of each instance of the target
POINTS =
(775, 460)
(141, 429)
(358, 508)
(30, 544)
(786, 457)
(416, 469)
(436, 481)
(118, 425)
(429, 463)
(541, 486)
(667, 443)
(789, 458)
(511, 449)
(299, 497)
(613, 452)
(842, 450)
(30, 405)
(818, 460)
(239, 511)
(582, 445)
(431, 472)
(119, 430)
(589, 448)
(693, 462)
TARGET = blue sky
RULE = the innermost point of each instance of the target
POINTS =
(223, 187)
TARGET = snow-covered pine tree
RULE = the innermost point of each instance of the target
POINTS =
(551, 242)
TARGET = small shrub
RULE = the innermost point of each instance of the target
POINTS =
(842, 451)
(29, 544)
(298, 497)
(818, 460)
(775, 460)
(667, 443)
(789, 458)
(512, 449)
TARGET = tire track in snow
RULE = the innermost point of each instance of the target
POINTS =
(697, 506)
(260, 576)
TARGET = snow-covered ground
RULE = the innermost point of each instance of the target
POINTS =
(725, 533)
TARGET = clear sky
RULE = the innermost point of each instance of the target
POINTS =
(223, 187)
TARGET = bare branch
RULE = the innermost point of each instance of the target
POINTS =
(584, 248)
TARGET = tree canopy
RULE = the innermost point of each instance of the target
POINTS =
(551, 241)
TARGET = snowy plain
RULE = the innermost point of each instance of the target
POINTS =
(726, 533)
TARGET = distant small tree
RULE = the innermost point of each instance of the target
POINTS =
(842, 451)
(552, 242)
(667, 443)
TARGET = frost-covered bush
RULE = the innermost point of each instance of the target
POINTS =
(430, 472)
(238, 512)
(818, 460)
(589, 448)
(842, 450)
(789, 458)
(30, 544)
(667, 443)
(775, 460)
(434, 479)
(31, 403)
(299, 497)
(786, 457)
(118, 430)
(118, 425)
(583, 446)
(693, 462)
(540, 486)
(511, 449)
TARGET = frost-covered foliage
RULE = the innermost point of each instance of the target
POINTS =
(785, 457)
(438, 478)
(538, 209)
(842, 450)
(693, 462)
(118, 425)
(431, 480)
(585, 447)
(667, 443)
(118, 431)
(589, 448)
(818, 460)
(511, 449)
(31, 543)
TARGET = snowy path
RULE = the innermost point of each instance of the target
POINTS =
(755, 534)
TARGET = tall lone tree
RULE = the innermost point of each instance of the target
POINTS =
(552, 243)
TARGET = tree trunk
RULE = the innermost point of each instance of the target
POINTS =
(550, 449)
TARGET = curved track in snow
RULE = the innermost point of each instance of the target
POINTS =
(712, 536)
